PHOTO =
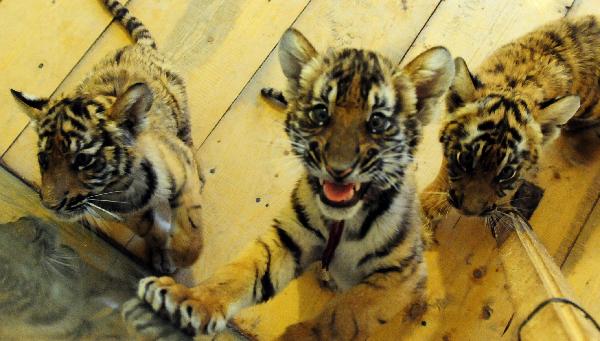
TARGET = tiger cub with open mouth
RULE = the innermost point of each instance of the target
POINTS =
(354, 118)
(119, 147)
(499, 119)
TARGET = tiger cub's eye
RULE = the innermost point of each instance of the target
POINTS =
(83, 160)
(506, 174)
(378, 123)
(319, 115)
(464, 160)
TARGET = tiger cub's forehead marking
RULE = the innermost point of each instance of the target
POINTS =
(67, 124)
(355, 77)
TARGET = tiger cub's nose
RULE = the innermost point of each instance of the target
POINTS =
(339, 174)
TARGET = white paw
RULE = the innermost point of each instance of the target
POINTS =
(194, 314)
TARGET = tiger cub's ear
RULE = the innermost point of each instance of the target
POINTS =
(34, 105)
(554, 113)
(130, 108)
(431, 73)
(463, 85)
(294, 52)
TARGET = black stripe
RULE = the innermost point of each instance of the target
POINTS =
(151, 183)
(122, 12)
(291, 245)
(302, 217)
(132, 24)
(254, 298)
(77, 124)
(386, 270)
(416, 254)
(556, 39)
(496, 105)
(454, 101)
(274, 94)
(267, 290)
(381, 206)
(476, 81)
(486, 125)
(148, 218)
(114, 5)
(174, 192)
(194, 226)
(548, 102)
(118, 55)
(36, 103)
(396, 240)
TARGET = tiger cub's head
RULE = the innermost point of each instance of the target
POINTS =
(355, 118)
(85, 144)
(491, 136)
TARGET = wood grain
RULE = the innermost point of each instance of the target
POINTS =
(583, 259)
(41, 42)
(581, 267)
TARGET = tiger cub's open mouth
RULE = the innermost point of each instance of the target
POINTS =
(336, 194)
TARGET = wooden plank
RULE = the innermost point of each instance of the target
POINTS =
(217, 45)
(41, 42)
(581, 267)
(534, 278)
(584, 7)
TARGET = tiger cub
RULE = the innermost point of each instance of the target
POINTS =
(499, 119)
(354, 119)
(119, 147)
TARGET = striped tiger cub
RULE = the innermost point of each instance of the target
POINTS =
(119, 147)
(500, 118)
(354, 119)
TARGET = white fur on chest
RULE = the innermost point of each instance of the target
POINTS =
(344, 269)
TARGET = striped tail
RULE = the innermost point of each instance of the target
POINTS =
(136, 29)
(274, 95)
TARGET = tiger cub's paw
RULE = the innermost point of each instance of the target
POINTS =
(434, 207)
(143, 324)
(195, 311)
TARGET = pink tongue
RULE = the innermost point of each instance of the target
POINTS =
(338, 193)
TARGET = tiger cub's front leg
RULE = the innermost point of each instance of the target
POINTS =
(262, 270)
(356, 313)
(434, 199)
(185, 241)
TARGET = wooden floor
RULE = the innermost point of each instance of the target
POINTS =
(226, 51)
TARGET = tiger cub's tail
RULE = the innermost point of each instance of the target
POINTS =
(136, 29)
(274, 95)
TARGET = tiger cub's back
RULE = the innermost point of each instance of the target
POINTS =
(558, 59)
